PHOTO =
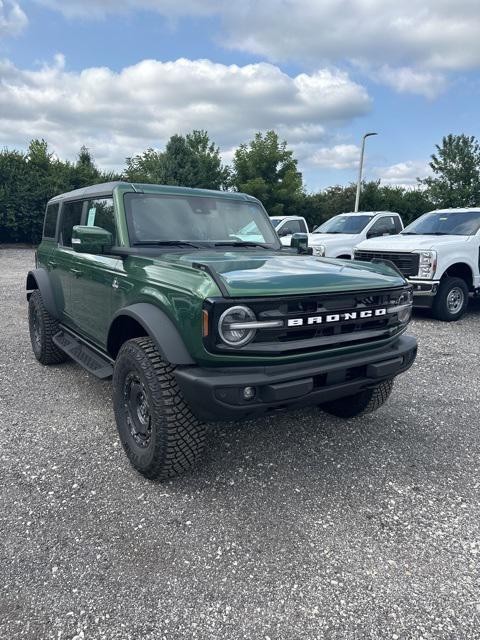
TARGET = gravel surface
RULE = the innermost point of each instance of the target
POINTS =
(298, 526)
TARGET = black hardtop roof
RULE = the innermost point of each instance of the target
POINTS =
(107, 188)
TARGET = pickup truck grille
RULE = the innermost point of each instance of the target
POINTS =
(313, 323)
(406, 262)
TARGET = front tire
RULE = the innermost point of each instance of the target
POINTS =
(161, 436)
(43, 327)
(360, 403)
(451, 300)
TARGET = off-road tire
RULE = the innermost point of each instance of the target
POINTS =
(176, 439)
(441, 309)
(42, 328)
(360, 403)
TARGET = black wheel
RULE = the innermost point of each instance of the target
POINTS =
(42, 329)
(451, 300)
(161, 436)
(360, 403)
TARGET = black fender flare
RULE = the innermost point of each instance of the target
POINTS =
(160, 328)
(39, 279)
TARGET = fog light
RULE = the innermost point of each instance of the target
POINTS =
(249, 393)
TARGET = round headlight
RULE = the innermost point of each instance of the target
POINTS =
(404, 306)
(236, 336)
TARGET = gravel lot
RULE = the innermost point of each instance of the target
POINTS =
(299, 526)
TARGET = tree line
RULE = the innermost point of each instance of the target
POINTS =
(264, 168)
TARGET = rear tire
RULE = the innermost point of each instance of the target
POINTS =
(42, 328)
(360, 403)
(161, 436)
(451, 300)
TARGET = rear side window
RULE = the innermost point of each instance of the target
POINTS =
(50, 225)
(398, 224)
(100, 213)
(71, 216)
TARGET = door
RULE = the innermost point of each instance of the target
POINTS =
(94, 277)
(61, 262)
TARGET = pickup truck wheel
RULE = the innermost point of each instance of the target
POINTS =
(360, 403)
(42, 328)
(451, 300)
(161, 436)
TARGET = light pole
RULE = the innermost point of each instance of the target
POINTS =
(359, 183)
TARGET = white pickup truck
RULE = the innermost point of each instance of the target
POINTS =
(439, 255)
(338, 236)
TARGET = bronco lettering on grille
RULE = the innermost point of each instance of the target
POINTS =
(337, 317)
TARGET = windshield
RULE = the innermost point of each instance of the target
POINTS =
(344, 224)
(200, 220)
(275, 221)
(445, 223)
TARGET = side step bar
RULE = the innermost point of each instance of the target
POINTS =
(86, 356)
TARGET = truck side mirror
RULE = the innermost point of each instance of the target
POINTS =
(93, 240)
(299, 242)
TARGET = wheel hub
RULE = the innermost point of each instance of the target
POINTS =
(455, 300)
(137, 410)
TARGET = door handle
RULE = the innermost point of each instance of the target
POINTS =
(76, 272)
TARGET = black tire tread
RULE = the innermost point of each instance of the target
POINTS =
(180, 441)
(49, 353)
(361, 403)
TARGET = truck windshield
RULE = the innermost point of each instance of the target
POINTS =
(445, 223)
(344, 224)
(196, 220)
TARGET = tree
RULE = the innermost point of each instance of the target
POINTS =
(456, 166)
(188, 161)
(266, 169)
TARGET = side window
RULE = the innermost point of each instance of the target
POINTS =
(303, 226)
(100, 213)
(50, 224)
(398, 224)
(292, 226)
(71, 216)
(384, 226)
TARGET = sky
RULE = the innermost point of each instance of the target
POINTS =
(119, 76)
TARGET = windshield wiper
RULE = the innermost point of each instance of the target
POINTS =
(408, 233)
(240, 244)
(166, 243)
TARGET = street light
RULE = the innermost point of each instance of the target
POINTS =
(359, 183)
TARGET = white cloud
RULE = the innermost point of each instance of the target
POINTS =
(12, 18)
(340, 156)
(407, 45)
(403, 174)
(119, 114)
(407, 80)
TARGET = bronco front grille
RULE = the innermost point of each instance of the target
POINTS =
(407, 263)
(339, 320)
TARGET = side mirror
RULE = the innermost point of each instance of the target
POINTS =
(282, 233)
(91, 239)
(299, 242)
(374, 234)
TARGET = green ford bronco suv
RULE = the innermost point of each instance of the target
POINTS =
(188, 299)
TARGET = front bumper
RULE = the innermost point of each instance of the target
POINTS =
(217, 394)
(424, 292)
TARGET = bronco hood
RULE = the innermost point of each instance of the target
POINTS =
(268, 273)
